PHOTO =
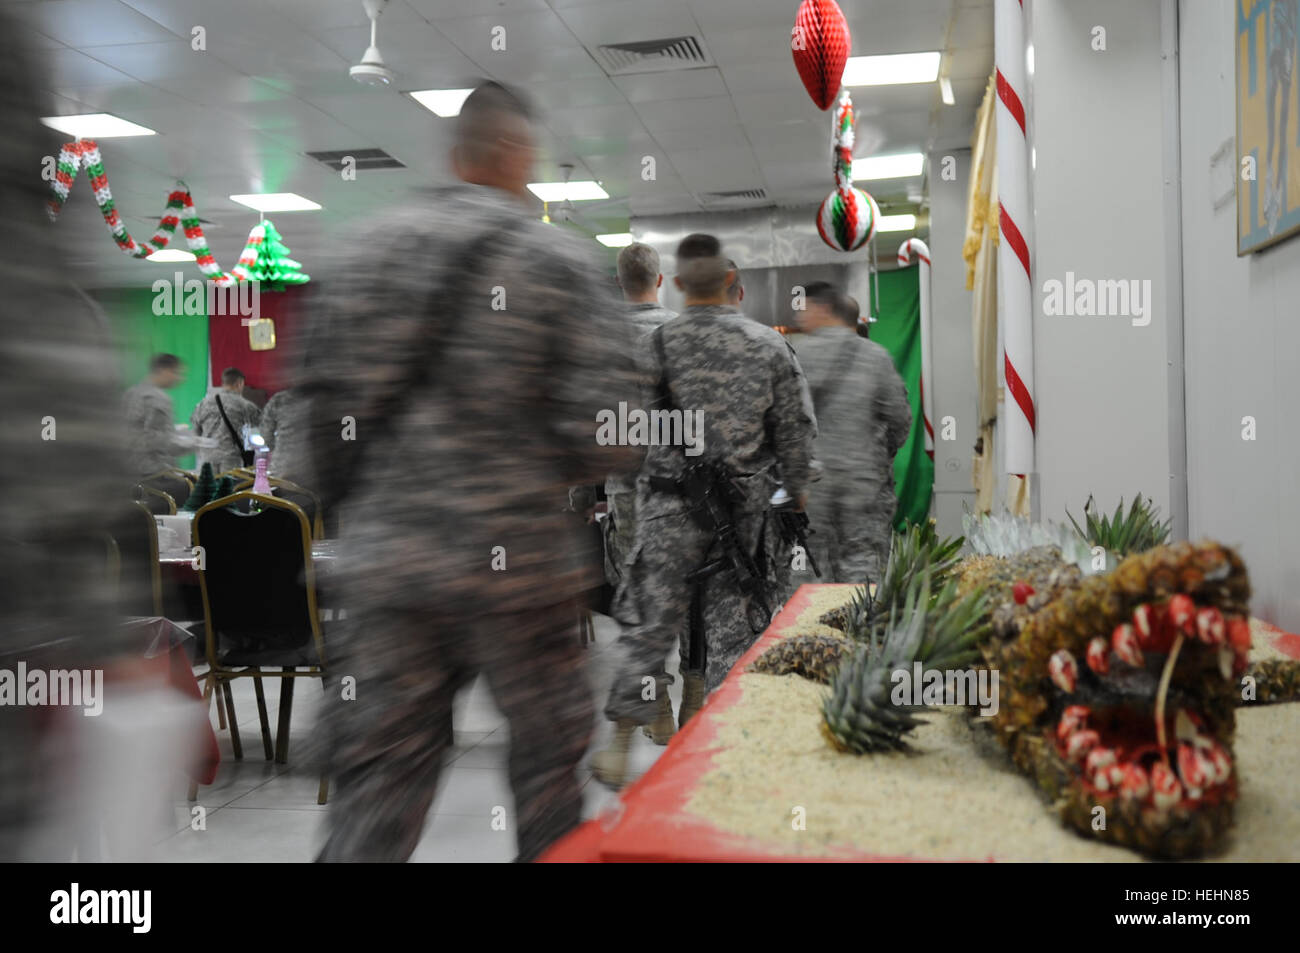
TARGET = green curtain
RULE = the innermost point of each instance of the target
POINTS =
(899, 332)
(139, 334)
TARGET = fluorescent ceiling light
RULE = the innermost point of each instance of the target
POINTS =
(567, 191)
(945, 89)
(896, 223)
(276, 202)
(96, 126)
(441, 102)
(616, 240)
(172, 254)
(891, 70)
(888, 167)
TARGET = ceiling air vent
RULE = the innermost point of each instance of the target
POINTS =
(653, 56)
(366, 159)
(734, 198)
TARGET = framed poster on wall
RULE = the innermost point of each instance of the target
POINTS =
(1268, 122)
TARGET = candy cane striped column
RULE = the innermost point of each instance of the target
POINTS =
(1015, 293)
(914, 246)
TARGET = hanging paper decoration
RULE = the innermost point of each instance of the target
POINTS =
(906, 251)
(820, 42)
(273, 267)
(847, 220)
(847, 217)
(180, 210)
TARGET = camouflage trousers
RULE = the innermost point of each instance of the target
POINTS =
(620, 534)
(851, 538)
(654, 605)
(387, 745)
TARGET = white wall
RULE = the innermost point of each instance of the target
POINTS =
(1242, 331)
(954, 360)
(1103, 385)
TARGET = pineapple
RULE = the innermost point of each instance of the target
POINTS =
(810, 655)
(1276, 680)
(915, 550)
(1027, 719)
(943, 632)
(1124, 534)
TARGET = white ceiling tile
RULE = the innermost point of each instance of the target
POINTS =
(695, 114)
(684, 84)
(89, 23)
(68, 67)
(450, 9)
(729, 134)
(629, 21)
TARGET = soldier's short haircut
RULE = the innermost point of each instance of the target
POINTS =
(700, 266)
(164, 362)
(736, 287)
(480, 121)
(638, 268)
(848, 310)
(232, 375)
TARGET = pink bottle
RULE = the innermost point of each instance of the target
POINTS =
(260, 483)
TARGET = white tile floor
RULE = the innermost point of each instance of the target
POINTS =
(261, 811)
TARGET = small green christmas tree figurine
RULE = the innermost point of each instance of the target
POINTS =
(225, 487)
(274, 268)
(201, 495)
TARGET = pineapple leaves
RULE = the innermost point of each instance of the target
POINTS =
(1124, 533)
(934, 628)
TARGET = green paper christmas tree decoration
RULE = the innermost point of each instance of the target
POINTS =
(225, 487)
(274, 268)
(201, 495)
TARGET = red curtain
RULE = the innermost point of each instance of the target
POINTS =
(271, 370)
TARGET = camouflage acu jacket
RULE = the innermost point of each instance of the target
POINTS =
(456, 503)
(863, 414)
(743, 381)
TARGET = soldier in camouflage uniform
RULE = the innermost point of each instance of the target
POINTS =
(206, 421)
(152, 441)
(756, 412)
(864, 417)
(284, 427)
(471, 352)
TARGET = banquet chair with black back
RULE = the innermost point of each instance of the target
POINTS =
(175, 483)
(158, 502)
(135, 549)
(294, 493)
(259, 607)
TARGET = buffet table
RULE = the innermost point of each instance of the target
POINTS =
(711, 783)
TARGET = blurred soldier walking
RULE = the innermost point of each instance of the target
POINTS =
(700, 513)
(152, 441)
(864, 417)
(284, 427)
(640, 278)
(222, 417)
(456, 376)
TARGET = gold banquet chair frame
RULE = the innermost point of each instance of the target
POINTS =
(221, 675)
(317, 522)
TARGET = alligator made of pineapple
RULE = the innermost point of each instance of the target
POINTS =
(1081, 663)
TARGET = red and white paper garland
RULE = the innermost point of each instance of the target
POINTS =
(180, 210)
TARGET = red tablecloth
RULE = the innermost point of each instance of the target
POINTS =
(648, 824)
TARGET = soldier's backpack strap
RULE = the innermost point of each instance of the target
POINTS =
(445, 301)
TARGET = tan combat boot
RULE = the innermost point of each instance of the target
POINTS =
(692, 698)
(660, 731)
(610, 766)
